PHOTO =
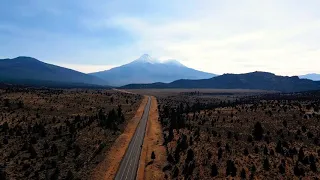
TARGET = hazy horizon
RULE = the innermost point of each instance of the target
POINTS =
(93, 69)
(217, 37)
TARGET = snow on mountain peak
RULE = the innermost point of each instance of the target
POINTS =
(173, 62)
(147, 58)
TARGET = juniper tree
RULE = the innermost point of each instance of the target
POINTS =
(214, 170)
(282, 168)
(153, 156)
(243, 174)
(258, 131)
(231, 169)
(266, 164)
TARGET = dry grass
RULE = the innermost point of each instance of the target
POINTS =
(153, 141)
(123, 91)
(289, 123)
(172, 92)
(107, 169)
(45, 137)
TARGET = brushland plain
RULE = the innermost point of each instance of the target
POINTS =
(223, 135)
(58, 133)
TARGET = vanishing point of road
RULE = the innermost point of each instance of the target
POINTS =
(130, 162)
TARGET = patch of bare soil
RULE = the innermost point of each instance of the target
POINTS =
(153, 142)
(124, 91)
(107, 169)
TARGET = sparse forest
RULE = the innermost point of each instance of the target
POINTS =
(59, 134)
(267, 136)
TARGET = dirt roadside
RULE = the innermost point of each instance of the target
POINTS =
(107, 169)
(153, 141)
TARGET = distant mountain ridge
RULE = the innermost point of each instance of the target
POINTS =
(29, 70)
(149, 70)
(254, 80)
(312, 76)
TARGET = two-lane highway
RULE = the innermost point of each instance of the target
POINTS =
(130, 162)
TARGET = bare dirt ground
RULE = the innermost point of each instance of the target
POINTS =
(123, 91)
(107, 169)
(153, 141)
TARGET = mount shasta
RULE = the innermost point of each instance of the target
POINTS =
(149, 70)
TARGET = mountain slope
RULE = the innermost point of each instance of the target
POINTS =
(149, 70)
(30, 70)
(313, 76)
(254, 80)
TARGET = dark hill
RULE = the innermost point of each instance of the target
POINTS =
(28, 70)
(254, 80)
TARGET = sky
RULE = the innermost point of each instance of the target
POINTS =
(217, 36)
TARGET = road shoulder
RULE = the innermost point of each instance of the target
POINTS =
(107, 169)
(153, 141)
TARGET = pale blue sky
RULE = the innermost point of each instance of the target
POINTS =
(226, 36)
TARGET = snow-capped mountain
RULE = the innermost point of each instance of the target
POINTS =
(145, 58)
(146, 69)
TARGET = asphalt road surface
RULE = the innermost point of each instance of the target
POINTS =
(130, 162)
